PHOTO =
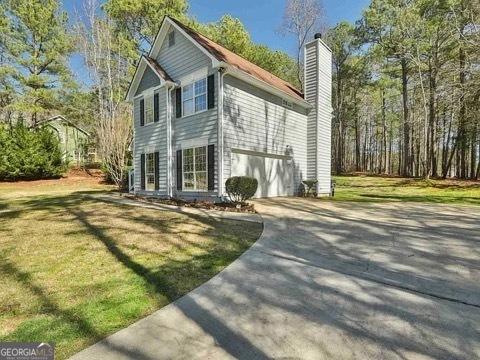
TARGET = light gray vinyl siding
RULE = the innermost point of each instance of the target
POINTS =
(149, 80)
(180, 61)
(183, 58)
(324, 118)
(311, 95)
(151, 138)
(318, 84)
(255, 120)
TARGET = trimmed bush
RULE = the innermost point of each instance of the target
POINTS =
(241, 188)
(29, 154)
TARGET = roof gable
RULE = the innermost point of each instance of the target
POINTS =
(224, 55)
(62, 119)
(144, 63)
(221, 56)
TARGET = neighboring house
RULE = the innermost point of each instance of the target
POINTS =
(76, 144)
(203, 114)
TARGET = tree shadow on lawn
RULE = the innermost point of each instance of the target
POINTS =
(165, 281)
(424, 198)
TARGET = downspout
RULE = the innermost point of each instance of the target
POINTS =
(221, 72)
(169, 87)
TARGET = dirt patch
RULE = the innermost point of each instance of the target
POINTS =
(243, 208)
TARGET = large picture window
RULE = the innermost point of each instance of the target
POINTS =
(194, 97)
(195, 169)
(150, 172)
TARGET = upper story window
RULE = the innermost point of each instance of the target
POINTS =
(194, 97)
(171, 38)
(148, 108)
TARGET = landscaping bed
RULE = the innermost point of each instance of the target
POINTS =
(223, 206)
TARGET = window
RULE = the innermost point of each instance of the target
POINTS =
(148, 109)
(194, 97)
(150, 172)
(195, 169)
(171, 38)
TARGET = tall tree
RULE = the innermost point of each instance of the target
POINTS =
(38, 42)
(140, 20)
(110, 70)
(343, 42)
(302, 18)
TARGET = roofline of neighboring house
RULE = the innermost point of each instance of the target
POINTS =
(61, 117)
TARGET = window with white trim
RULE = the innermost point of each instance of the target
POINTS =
(148, 108)
(150, 172)
(194, 97)
(195, 169)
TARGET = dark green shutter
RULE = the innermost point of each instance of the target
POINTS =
(142, 112)
(211, 167)
(211, 91)
(179, 170)
(157, 172)
(178, 102)
(142, 171)
(156, 106)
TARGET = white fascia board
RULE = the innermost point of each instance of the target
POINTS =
(242, 75)
(162, 33)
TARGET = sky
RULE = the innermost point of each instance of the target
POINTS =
(261, 18)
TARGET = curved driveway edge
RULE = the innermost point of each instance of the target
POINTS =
(318, 285)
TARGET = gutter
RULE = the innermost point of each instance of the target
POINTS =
(221, 73)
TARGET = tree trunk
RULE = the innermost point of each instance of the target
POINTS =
(406, 125)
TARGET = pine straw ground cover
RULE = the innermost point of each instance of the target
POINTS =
(74, 269)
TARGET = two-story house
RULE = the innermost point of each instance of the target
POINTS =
(203, 114)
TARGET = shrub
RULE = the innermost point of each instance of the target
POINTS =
(29, 154)
(241, 188)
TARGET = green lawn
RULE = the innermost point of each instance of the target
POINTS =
(74, 270)
(375, 189)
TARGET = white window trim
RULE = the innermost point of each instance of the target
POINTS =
(194, 172)
(147, 173)
(194, 96)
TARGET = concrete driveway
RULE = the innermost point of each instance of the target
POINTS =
(329, 281)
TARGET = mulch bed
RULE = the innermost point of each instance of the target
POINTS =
(242, 208)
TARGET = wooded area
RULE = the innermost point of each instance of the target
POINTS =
(407, 89)
(406, 75)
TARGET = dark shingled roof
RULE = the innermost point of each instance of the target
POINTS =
(229, 57)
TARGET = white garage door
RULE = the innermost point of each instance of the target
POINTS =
(274, 174)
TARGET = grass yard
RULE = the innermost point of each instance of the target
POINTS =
(375, 189)
(74, 269)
